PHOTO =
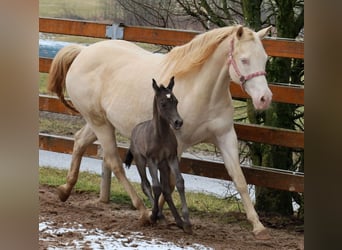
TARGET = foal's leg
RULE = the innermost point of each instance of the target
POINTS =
(164, 179)
(174, 164)
(145, 184)
(156, 190)
(228, 146)
(84, 137)
(111, 159)
(172, 184)
(172, 179)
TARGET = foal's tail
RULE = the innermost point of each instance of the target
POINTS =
(58, 70)
(129, 159)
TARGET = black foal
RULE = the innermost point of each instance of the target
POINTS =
(153, 143)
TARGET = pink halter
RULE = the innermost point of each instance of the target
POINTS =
(243, 79)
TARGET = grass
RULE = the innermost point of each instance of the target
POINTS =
(60, 8)
(199, 204)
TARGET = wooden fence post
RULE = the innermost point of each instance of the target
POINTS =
(106, 179)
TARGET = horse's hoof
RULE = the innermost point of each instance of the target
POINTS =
(263, 234)
(187, 228)
(145, 218)
(62, 194)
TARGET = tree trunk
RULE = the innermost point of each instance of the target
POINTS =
(279, 114)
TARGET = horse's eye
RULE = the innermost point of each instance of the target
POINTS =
(244, 61)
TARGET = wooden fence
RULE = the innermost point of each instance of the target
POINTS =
(260, 176)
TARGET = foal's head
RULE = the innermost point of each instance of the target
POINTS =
(165, 103)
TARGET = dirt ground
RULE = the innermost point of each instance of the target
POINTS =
(121, 220)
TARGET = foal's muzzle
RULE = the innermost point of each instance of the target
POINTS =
(178, 124)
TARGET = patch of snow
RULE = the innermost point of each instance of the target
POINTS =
(98, 239)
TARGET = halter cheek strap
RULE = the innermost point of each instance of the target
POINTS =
(243, 79)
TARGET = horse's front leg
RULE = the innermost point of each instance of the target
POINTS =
(228, 145)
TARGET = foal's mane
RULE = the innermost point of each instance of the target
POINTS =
(182, 59)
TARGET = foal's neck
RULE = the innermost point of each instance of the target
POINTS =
(161, 126)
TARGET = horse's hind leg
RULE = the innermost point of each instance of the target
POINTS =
(111, 159)
(84, 137)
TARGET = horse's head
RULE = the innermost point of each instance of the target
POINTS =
(166, 104)
(246, 64)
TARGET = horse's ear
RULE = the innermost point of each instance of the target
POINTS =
(171, 83)
(262, 33)
(239, 32)
(154, 85)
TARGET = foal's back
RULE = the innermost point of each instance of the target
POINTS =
(149, 144)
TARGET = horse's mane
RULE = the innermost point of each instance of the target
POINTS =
(183, 58)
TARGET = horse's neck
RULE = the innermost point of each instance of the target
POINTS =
(203, 98)
(207, 87)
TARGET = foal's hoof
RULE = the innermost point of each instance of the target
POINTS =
(62, 194)
(263, 234)
(162, 220)
(187, 228)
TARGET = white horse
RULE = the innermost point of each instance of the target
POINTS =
(109, 84)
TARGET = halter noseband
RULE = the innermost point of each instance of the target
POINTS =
(231, 61)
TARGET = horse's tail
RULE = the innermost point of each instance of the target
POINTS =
(129, 158)
(58, 70)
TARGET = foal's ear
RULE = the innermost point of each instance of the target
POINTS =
(154, 85)
(262, 33)
(171, 83)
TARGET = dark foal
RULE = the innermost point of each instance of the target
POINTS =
(153, 143)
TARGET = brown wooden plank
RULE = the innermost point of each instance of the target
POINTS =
(284, 48)
(256, 176)
(53, 104)
(284, 94)
(270, 135)
(274, 179)
(246, 132)
(73, 27)
(64, 144)
(44, 64)
(157, 35)
(273, 46)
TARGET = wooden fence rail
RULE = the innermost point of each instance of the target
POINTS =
(260, 176)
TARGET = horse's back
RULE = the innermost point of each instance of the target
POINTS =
(110, 53)
(113, 78)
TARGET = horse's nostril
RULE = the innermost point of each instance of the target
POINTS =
(262, 99)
